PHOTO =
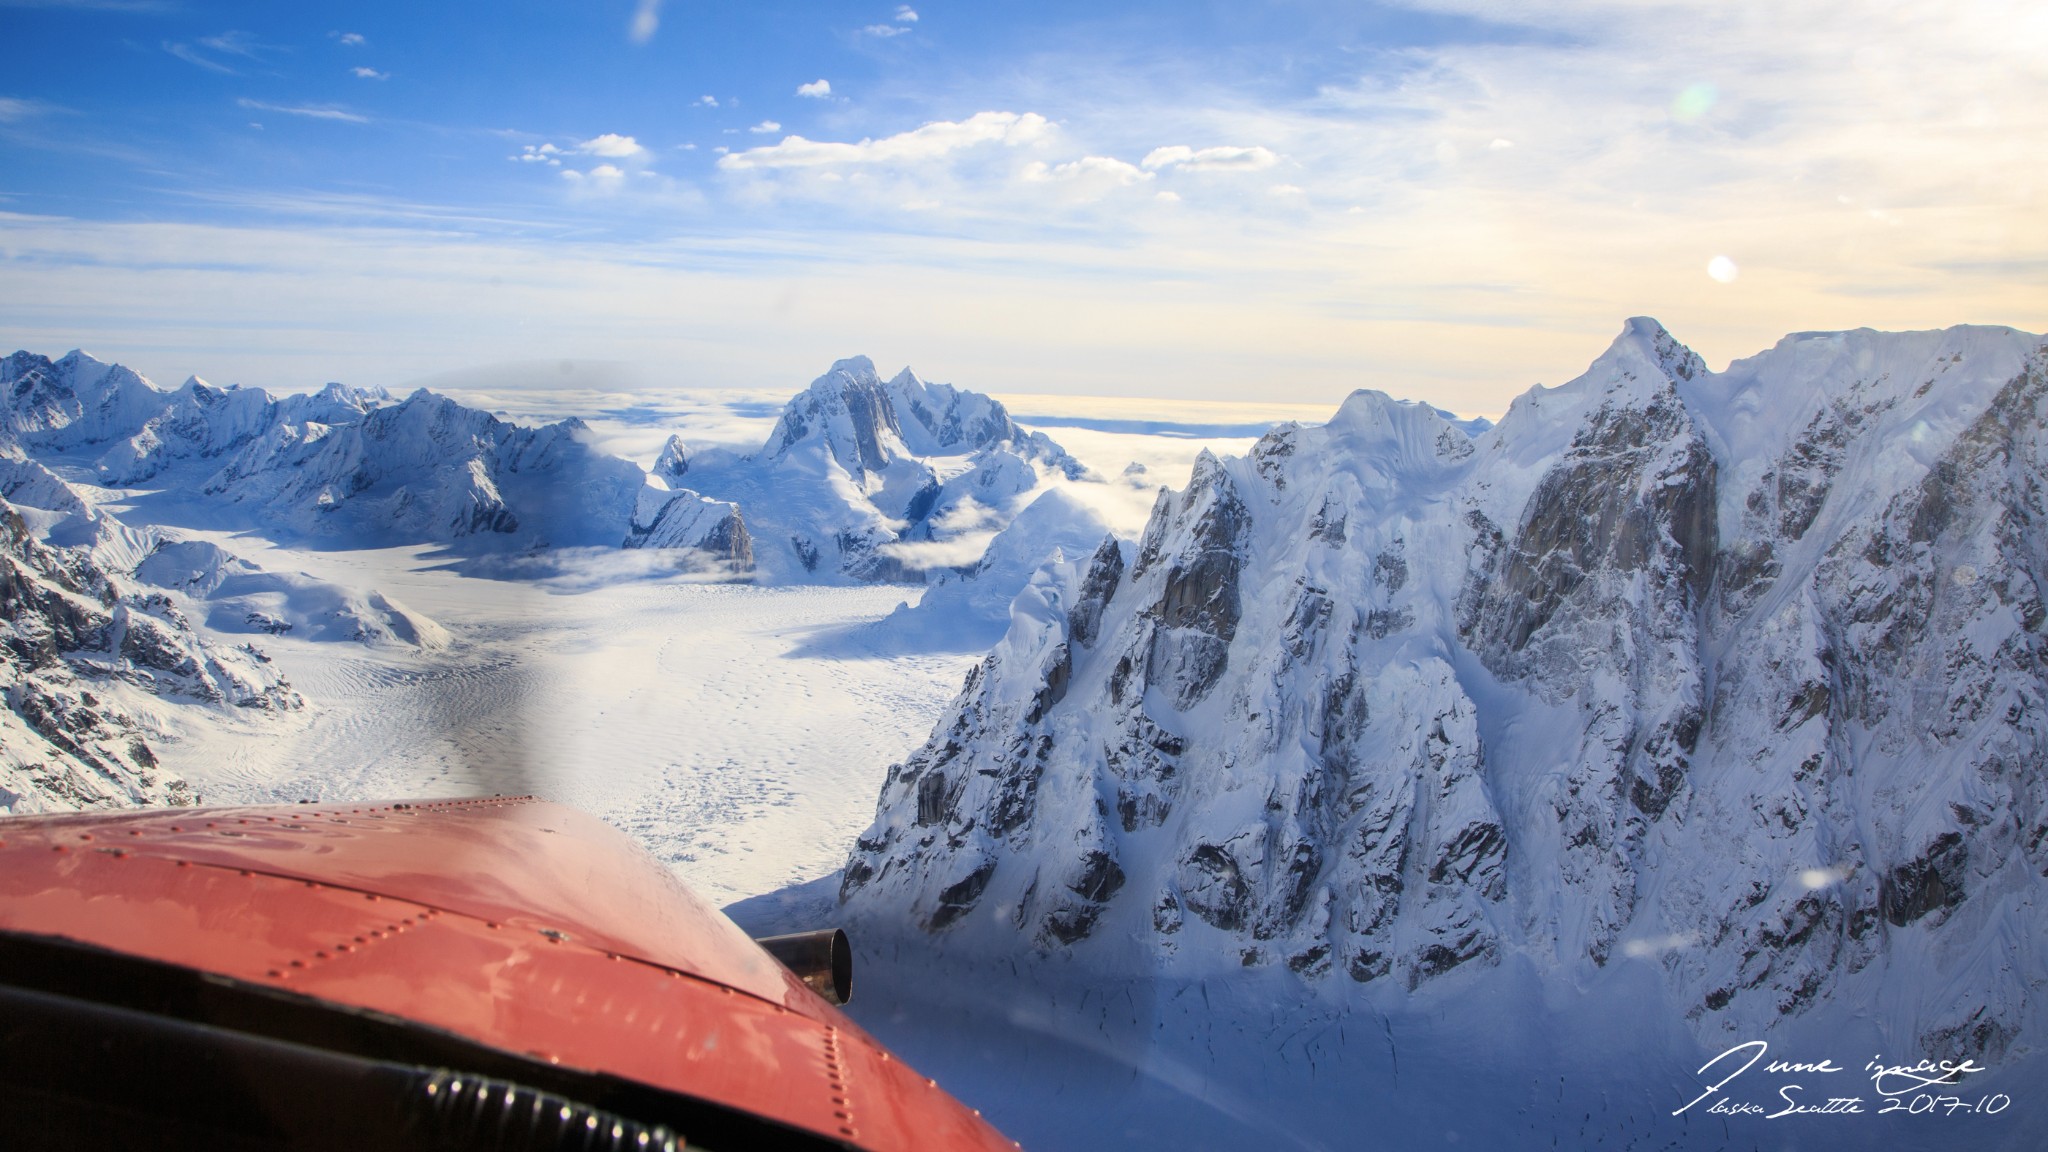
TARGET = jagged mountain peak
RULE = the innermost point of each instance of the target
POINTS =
(855, 368)
(1594, 696)
(1394, 437)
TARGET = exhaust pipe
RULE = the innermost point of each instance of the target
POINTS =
(823, 960)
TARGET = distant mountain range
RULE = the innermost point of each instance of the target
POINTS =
(858, 477)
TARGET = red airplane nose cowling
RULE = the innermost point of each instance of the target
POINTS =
(499, 972)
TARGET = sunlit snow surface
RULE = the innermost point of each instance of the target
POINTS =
(703, 718)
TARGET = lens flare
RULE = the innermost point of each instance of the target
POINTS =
(1723, 269)
(1696, 101)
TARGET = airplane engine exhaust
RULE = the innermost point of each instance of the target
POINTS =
(823, 960)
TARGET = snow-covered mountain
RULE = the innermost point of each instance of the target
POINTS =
(863, 479)
(345, 464)
(1736, 675)
(967, 609)
(79, 641)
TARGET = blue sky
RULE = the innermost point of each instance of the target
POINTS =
(1447, 199)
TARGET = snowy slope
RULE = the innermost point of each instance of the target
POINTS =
(1731, 679)
(967, 609)
(868, 480)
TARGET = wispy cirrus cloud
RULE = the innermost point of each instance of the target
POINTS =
(309, 111)
(15, 109)
(193, 56)
(368, 74)
(208, 51)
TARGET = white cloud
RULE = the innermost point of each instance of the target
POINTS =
(369, 74)
(1500, 144)
(612, 146)
(1097, 169)
(1219, 159)
(905, 14)
(310, 111)
(603, 178)
(765, 127)
(930, 142)
(885, 30)
(545, 154)
(352, 40)
(817, 89)
(646, 20)
(706, 102)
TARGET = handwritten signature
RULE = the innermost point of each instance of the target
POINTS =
(1910, 1088)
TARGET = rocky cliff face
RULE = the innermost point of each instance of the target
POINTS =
(1734, 674)
(75, 640)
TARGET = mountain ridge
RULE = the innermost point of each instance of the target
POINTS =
(1384, 703)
